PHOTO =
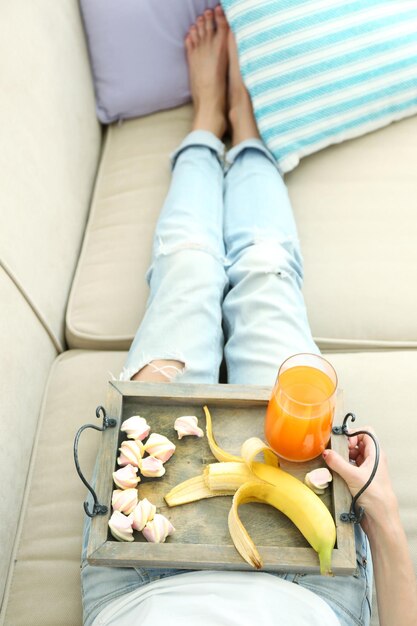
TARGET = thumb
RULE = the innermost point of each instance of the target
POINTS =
(338, 464)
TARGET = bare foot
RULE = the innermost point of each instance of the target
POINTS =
(206, 47)
(241, 117)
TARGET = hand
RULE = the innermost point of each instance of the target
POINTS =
(394, 576)
(379, 499)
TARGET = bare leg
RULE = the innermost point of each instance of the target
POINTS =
(160, 371)
(206, 47)
(207, 54)
(241, 116)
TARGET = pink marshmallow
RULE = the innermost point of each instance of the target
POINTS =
(157, 530)
(121, 527)
(131, 452)
(143, 513)
(187, 425)
(126, 477)
(152, 467)
(124, 500)
(136, 427)
(160, 447)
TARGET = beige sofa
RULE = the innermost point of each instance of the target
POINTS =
(79, 205)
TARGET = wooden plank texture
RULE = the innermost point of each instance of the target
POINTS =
(202, 539)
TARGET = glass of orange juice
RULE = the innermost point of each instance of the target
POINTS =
(300, 412)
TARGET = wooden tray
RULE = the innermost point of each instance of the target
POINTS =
(202, 539)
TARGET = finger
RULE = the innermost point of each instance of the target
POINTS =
(364, 443)
(353, 454)
(368, 448)
(359, 459)
(345, 469)
(353, 441)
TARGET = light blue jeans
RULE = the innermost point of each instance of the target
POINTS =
(225, 281)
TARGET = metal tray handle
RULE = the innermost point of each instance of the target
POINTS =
(356, 514)
(108, 422)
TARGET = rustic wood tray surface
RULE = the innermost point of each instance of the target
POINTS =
(202, 539)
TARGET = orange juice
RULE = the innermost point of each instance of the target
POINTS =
(300, 413)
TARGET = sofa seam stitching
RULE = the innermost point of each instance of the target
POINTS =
(56, 342)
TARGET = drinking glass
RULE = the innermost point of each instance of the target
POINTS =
(300, 412)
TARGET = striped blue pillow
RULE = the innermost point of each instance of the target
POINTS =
(323, 71)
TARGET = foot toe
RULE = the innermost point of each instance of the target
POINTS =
(201, 26)
(188, 43)
(209, 21)
(220, 17)
(193, 35)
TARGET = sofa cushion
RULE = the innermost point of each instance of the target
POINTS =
(320, 73)
(27, 353)
(355, 205)
(44, 587)
(137, 54)
(109, 291)
(50, 149)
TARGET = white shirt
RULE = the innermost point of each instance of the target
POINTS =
(209, 598)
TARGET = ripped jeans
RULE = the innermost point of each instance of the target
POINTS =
(225, 281)
(226, 259)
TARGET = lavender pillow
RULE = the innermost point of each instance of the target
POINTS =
(137, 53)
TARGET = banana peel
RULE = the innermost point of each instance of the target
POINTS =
(249, 480)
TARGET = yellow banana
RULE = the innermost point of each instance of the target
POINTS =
(290, 496)
(191, 490)
(217, 479)
(218, 452)
(254, 446)
(243, 543)
(227, 476)
(253, 481)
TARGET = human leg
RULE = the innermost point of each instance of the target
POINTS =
(182, 321)
(186, 277)
(181, 330)
(264, 312)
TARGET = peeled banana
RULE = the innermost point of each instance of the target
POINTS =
(254, 481)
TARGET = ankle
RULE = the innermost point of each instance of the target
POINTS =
(211, 119)
(242, 122)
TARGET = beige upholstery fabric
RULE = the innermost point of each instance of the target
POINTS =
(26, 354)
(109, 293)
(49, 551)
(356, 207)
(379, 387)
(355, 204)
(50, 142)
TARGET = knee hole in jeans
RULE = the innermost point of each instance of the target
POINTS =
(162, 370)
